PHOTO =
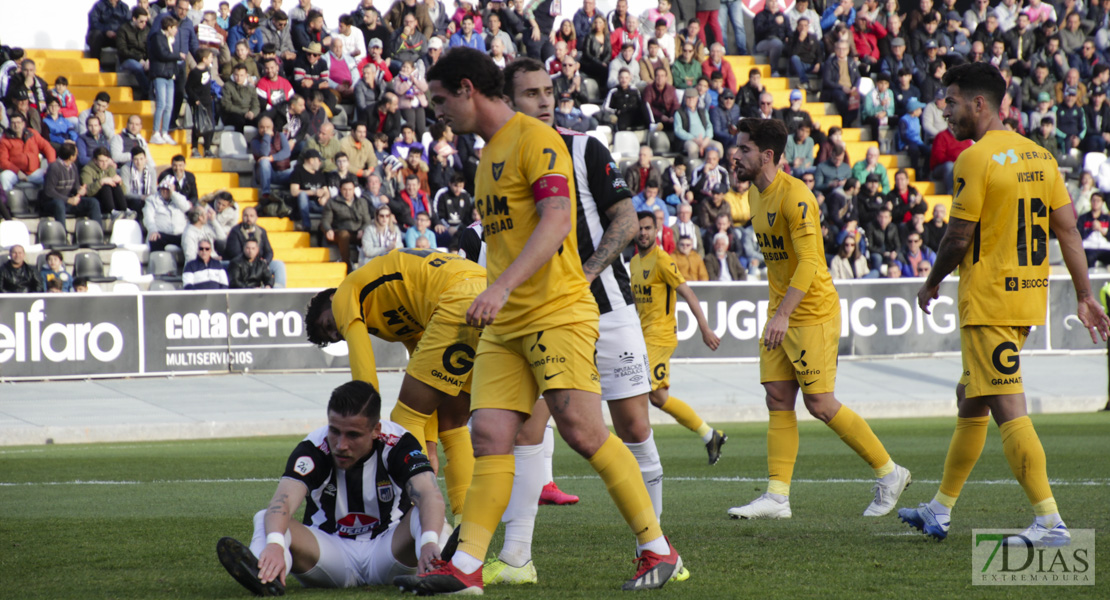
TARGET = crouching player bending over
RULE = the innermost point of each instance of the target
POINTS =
(374, 510)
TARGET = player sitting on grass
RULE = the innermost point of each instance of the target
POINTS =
(374, 510)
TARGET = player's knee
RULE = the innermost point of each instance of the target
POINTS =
(586, 440)
(821, 407)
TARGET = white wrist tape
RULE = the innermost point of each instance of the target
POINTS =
(428, 537)
(276, 538)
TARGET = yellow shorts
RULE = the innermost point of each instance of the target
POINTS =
(659, 357)
(511, 374)
(807, 355)
(992, 365)
(444, 356)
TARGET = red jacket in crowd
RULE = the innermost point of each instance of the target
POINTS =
(946, 149)
(867, 42)
(22, 155)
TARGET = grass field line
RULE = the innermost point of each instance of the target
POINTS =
(831, 480)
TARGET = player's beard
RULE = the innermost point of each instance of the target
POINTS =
(744, 172)
(641, 246)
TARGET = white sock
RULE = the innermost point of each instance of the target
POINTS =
(658, 545)
(647, 455)
(778, 498)
(548, 452)
(465, 562)
(1049, 521)
(708, 436)
(258, 539)
(938, 508)
(520, 514)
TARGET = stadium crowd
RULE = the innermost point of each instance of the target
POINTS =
(337, 123)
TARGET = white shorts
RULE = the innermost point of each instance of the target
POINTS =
(346, 562)
(622, 358)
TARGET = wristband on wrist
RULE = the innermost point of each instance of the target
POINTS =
(428, 537)
(276, 538)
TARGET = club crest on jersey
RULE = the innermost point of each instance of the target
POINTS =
(497, 169)
(304, 465)
(771, 218)
(385, 491)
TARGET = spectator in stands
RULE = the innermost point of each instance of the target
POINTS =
(932, 116)
(713, 205)
(18, 277)
(453, 206)
(415, 165)
(54, 273)
(386, 118)
(723, 264)
(884, 240)
(709, 175)
(25, 84)
(909, 135)
(411, 201)
(799, 152)
(663, 235)
(676, 182)
(57, 129)
(870, 166)
(840, 82)
(724, 117)
(916, 253)
(309, 186)
(101, 181)
(936, 228)
(838, 12)
(368, 91)
(694, 128)
(685, 226)
(93, 139)
(273, 89)
(20, 150)
(648, 199)
(163, 216)
(1098, 121)
(1071, 122)
(67, 102)
(381, 236)
(122, 144)
(689, 262)
(203, 227)
(250, 231)
(21, 105)
(198, 92)
(637, 174)
(408, 42)
(341, 70)
(832, 173)
(271, 154)
(805, 50)
(625, 60)
(903, 90)
(276, 31)
(654, 59)
(344, 219)
(1071, 80)
(250, 270)
(624, 108)
(902, 196)
(772, 29)
(1045, 136)
(1093, 226)
(716, 63)
(748, 94)
(1050, 54)
(62, 191)
(205, 272)
(408, 143)
(467, 36)
(164, 72)
(878, 106)
(422, 230)
(138, 177)
(227, 213)
(105, 19)
(359, 151)
(244, 8)
(326, 145)
(247, 30)
(848, 262)
(239, 104)
(686, 69)
(722, 224)
(310, 74)
(292, 120)
(870, 199)
(183, 181)
(767, 108)
(942, 160)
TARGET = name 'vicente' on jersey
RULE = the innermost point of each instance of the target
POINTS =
(1004, 275)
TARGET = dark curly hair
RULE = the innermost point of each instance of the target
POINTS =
(319, 303)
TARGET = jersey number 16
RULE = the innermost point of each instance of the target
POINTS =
(1037, 238)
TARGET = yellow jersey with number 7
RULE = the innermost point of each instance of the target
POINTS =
(1007, 185)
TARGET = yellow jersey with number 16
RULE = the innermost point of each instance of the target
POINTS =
(786, 222)
(1007, 185)
(525, 160)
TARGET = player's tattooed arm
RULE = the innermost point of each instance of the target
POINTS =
(553, 203)
(279, 504)
(424, 493)
(621, 231)
(953, 248)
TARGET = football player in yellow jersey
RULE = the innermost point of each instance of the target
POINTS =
(1008, 193)
(655, 282)
(540, 323)
(418, 298)
(801, 338)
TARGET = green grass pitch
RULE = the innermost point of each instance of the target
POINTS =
(152, 533)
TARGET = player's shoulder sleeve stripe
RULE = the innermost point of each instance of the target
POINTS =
(569, 132)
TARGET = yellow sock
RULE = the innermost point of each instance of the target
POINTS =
(618, 469)
(1026, 456)
(858, 435)
(460, 465)
(782, 450)
(431, 428)
(414, 422)
(684, 415)
(491, 487)
(963, 452)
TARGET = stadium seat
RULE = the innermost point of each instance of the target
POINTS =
(599, 137)
(590, 109)
(866, 86)
(161, 285)
(20, 204)
(591, 89)
(53, 235)
(1093, 162)
(14, 233)
(659, 142)
(125, 287)
(127, 234)
(625, 145)
(163, 265)
(88, 264)
(606, 134)
(1103, 177)
(233, 145)
(125, 265)
(90, 234)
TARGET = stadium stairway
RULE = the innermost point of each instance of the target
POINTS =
(306, 266)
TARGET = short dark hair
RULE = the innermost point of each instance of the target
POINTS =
(316, 306)
(63, 80)
(524, 64)
(345, 20)
(460, 63)
(67, 150)
(356, 398)
(977, 79)
(766, 134)
(55, 253)
(80, 282)
(645, 214)
(101, 151)
(169, 21)
(339, 155)
(457, 178)
(203, 53)
(312, 15)
(139, 11)
(103, 96)
(177, 158)
(279, 15)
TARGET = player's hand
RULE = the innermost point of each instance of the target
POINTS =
(1093, 318)
(486, 306)
(710, 339)
(925, 297)
(429, 553)
(271, 564)
(775, 331)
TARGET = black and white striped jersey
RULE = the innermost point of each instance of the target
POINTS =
(365, 499)
(599, 186)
